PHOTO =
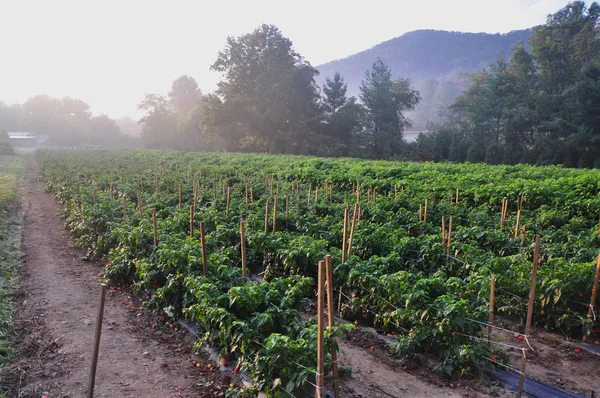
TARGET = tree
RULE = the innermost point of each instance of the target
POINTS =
(184, 95)
(267, 100)
(341, 116)
(385, 101)
(159, 124)
(104, 131)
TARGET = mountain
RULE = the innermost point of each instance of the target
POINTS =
(434, 60)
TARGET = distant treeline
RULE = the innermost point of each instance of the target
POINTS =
(67, 122)
(541, 106)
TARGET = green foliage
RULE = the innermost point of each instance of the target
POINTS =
(396, 279)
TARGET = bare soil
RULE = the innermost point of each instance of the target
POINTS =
(55, 318)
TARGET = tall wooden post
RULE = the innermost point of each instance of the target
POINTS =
(443, 231)
(536, 260)
(228, 199)
(517, 223)
(140, 204)
(457, 196)
(246, 197)
(330, 323)
(180, 194)
(448, 240)
(267, 215)
(287, 210)
(420, 212)
(243, 247)
(425, 212)
(492, 299)
(154, 226)
(124, 208)
(591, 307)
(275, 214)
(320, 331)
(344, 241)
(192, 221)
(352, 228)
(97, 336)
(203, 243)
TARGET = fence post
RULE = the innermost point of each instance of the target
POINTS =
(97, 336)
(536, 260)
(336, 388)
(320, 330)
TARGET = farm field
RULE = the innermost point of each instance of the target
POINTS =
(422, 243)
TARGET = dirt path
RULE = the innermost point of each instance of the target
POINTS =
(55, 322)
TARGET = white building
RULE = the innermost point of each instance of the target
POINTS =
(26, 139)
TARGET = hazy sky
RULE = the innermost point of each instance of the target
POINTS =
(109, 53)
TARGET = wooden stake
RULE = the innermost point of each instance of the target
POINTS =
(287, 210)
(308, 197)
(228, 199)
(344, 235)
(374, 195)
(154, 226)
(246, 197)
(95, 202)
(354, 218)
(591, 307)
(180, 194)
(320, 331)
(536, 260)
(456, 196)
(214, 193)
(251, 196)
(317, 193)
(275, 214)
(97, 336)
(523, 231)
(192, 221)
(425, 212)
(203, 243)
(492, 299)
(243, 247)
(518, 221)
(420, 212)
(395, 191)
(267, 215)
(502, 215)
(124, 208)
(443, 231)
(140, 204)
(449, 240)
(330, 323)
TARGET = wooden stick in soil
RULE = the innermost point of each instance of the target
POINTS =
(591, 307)
(228, 199)
(124, 208)
(344, 240)
(275, 214)
(287, 211)
(517, 223)
(154, 226)
(354, 218)
(251, 196)
(448, 240)
(374, 195)
(457, 196)
(192, 221)
(180, 194)
(502, 214)
(246, 197)
(492, 299)
(536, 260)
(317, 194)
(140, 204)
(308, 196)
(425, 212)
(267, 215)
(203, 243)
(97, 336)
(523, 231)
(330, 324)
(320, 330)
(95, 202)
(243, 247)
(443, 231)
(420, 212)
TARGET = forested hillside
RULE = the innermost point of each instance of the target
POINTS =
(435, 61)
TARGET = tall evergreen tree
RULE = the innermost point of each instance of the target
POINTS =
(385, 101)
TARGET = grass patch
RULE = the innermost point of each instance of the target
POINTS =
(11, 223)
